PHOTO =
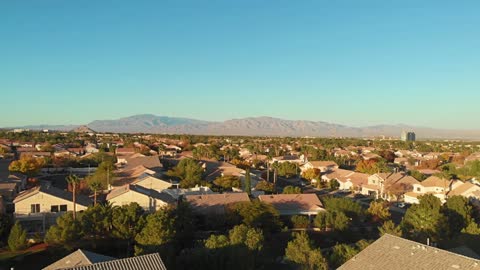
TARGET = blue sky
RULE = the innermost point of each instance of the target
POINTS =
(350, 62)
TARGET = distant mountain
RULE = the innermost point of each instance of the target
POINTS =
(83, 129)
(261, 126)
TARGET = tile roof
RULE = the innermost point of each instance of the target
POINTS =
(215, 203)
(291, 204)
(78, 258)
(323, 163)
(460, 190)
(149, 162)
(53, 191)
(434, 181)
(145, 262)
(395, 253)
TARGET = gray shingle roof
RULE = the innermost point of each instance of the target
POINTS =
(395, 253)
(78, 258)
(146, 262)
(56, 192)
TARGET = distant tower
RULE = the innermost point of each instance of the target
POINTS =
(408, 136)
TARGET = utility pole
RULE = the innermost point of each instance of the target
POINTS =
(275, 180)
(268, 171)
(108, 178)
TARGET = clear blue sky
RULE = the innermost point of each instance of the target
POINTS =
(349, 62)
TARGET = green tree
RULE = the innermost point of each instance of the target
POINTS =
(228, 182)
(217, 241)
(379, 211)
(347, 206)
(292, 190)
(417, 175)
(259, 215)
(424, 220)
(74, 181)
(128, 221)
(472, 228)
(311, 174)
(334, 184)
(265, 186)
(300, 222)
(188, 171)
(250, 237)
(17, 240)
(459, 213)
(95, 221)
(5, 226)
(334, 220)
(287, 169)
(66, 231)
(95, 186)
(388, 227)
(27, 165)
(300, 251)
(158, 232)
(341, 253)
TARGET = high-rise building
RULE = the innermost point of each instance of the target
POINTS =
(408, 136)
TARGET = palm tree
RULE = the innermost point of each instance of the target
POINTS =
(74, 181)
(95, 186)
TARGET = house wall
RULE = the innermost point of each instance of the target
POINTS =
(146, 202)
(23, 207)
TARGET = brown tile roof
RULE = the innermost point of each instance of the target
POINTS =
(323, 164)
(293, 204)
(434, 181)
(150, 162)
(463, 188)
(395, 253)
(215, 203)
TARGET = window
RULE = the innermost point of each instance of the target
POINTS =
(54, 208)
(419, 189)
(35, 208)
(63, 208)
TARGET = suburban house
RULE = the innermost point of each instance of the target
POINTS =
(442, 189)
(127, 176)
(395, 253)
(215, 203)
(348, 180)
(388, 186)
(437, 186)
(294, 204)
(38, 207)
(292, 159)
(149, 181)
(8, 192)
(179, 192)
(227, 169)
(149, 199)
(467, 190)
(149, 162)
(84, 260)
(323, 166)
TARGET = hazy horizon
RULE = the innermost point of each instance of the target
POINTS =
(355, 64)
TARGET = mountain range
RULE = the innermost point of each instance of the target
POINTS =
(258, 126)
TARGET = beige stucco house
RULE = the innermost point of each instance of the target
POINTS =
(149, 199)
(38, 207)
